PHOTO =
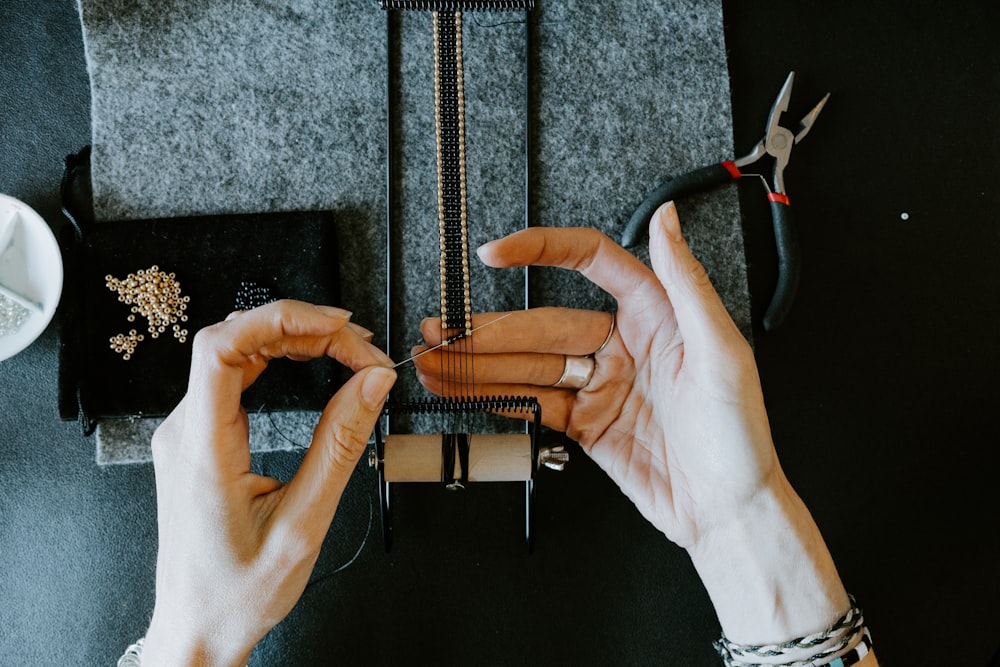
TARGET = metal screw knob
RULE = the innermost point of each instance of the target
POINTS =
(554, 458)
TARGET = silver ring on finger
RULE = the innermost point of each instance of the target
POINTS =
(611, 332)
(577, 372)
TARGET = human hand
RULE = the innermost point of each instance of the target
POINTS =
(237, 549)
(674, 413)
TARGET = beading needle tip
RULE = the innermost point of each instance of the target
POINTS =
(453, 339)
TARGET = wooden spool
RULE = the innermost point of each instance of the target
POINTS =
(424, 458)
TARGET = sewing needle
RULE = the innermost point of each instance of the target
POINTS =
(453, 339)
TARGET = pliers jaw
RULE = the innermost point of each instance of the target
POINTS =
(778, 140)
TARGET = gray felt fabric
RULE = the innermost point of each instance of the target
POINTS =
(127, 440)
(212, 106)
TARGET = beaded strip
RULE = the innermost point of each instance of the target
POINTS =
(449, 116)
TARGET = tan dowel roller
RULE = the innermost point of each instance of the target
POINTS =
(492, 458)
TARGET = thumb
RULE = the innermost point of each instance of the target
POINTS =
(340, 438)
(701, 316)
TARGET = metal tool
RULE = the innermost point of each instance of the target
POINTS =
(777, 143)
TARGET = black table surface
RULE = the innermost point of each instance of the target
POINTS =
(878, 388)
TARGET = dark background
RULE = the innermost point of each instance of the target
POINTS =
(880, 388)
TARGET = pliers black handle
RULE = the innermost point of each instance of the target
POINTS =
(706, 178)
(777, 143)
(693, 182)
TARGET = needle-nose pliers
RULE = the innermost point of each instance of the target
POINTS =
(777, 143)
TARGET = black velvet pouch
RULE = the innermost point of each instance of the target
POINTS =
(222, 264)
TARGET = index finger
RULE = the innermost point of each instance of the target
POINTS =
(547, 329)
(588, 251)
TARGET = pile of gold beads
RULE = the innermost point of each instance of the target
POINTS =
(155, 295)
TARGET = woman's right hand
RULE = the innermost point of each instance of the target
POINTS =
(674, 413)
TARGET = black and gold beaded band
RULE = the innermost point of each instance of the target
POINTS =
(449, 116)
(453, 223)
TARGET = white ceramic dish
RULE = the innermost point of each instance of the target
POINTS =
(31, 271)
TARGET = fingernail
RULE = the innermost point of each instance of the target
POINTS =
(382, 357)
(363, 332)
(670, 222)
(376, 387)
(483, 248)
(338, 313)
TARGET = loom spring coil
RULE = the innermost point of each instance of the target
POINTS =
(459, 5)
(455, 406)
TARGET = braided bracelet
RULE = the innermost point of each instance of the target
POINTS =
(848, 631)
(133, 655)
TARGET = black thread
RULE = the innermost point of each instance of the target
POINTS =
(462, 445)
(447, 457)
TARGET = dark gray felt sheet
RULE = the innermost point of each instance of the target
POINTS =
(210, 106)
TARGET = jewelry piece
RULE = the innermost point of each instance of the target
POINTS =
(133, 655)
(452, 195)
(611, 332)
(577, 371)
(848, 631)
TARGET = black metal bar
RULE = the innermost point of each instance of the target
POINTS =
(390, 170)
(528, 105)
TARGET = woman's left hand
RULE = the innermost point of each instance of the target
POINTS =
(236, 548)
